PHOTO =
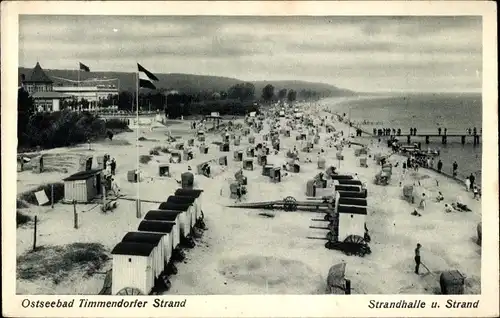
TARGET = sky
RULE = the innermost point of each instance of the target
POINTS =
(368, 54)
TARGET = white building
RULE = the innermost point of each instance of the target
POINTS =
(92, 93)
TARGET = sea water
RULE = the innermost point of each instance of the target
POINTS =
(426, 112)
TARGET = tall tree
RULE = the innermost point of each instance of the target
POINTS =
(268, 92)
(241, 91)
(25, 108)
(292, 95)
(282, 93)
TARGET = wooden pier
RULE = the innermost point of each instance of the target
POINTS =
(444, 138)
(475, 138)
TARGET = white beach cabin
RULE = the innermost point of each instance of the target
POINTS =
(158, 240)
(352, 220)
(133, 268)
(186, 216)
(186, 200)
(168, 229)
(197, 194)
(337, 186)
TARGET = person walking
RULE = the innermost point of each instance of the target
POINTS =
(440, 165)
(114, 187)
(472, 179)
(455, 168)
(422, 203)
(417, 258)
(113, 166)
(467, 184)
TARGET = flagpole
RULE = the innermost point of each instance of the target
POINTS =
(138, 208)
(79, 86)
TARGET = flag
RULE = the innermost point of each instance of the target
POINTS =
(146, 78)
(84, 67)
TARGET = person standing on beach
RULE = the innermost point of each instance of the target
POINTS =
(475, 190)
(445, 130)
(411, 131)
(113, 166)
(472, 180)
(455, 168)
(422, 203)
(467, 184)
(475, 131)
(439, 131)
(414, 131)
(440, 165)
(417, 258)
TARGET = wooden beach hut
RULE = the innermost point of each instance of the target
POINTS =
(167, 226)
(133, 268)
(346, 187)
(155, 239)
(184, 218)
(351, 201)
(177, 199)
(197, 194)
(353, 194)
(353, 181)
(351, 220)
(82, 186)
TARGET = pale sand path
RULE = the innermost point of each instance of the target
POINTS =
(241, 250)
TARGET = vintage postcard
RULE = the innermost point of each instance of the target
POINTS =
(249, 159)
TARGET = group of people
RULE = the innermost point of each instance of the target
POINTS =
(469, 131)
(109, 172)
(386, 132)
(470, 184)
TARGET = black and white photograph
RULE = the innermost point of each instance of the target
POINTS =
(169, 155)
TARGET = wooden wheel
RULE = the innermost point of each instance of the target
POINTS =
(356, 239)
(290, 204)
(129, 291)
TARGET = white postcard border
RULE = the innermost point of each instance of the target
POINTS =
(256, 306)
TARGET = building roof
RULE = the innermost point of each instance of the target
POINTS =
(174, 206)
(188, 192)
(349, 209)
(49, 95)
(133, 249)
(38, 76)
(156, 226)
(181, 199)
(143, 237)
(83, 175)
(162, 215)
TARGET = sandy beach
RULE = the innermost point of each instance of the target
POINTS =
(245, 253)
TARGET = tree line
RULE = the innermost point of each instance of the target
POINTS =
(64, 127)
